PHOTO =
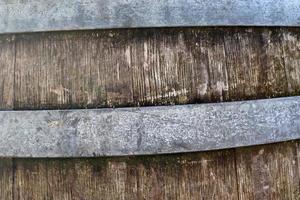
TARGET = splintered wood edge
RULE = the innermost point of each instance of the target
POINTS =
(37, 15)
(148, 130)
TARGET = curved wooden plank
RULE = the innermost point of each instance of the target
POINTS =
(39, 15)
(184, 177)
(151, 130)
(92, 69)
(261, 172)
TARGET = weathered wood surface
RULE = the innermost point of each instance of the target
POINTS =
(39, 15)
(262, 172)
(147, 67)
(150, 130)
(268, 172)
(165, 177)
(152, 67)
(7, 61)
(6, 179)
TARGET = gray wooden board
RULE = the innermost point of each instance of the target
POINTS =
(41, 15)
(148, 130)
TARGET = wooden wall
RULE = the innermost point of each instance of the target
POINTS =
(145, 67)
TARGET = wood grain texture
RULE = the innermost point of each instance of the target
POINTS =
(268, 172)
(151, 67)
(6, 179)
(7, 61)
(262, 172)
(189, 176)
(104, 68)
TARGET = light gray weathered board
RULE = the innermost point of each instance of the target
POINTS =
(150, 130)
(41, 15)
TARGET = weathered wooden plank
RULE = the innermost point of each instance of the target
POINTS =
(150, 130)
(291, 56)
(72, 71)
(154, 66)
(6, 179)
(189, 176)
(39, 15)
(7, 61)
(297, 144)
(268, 172)
(256, 64)
(263, 172)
